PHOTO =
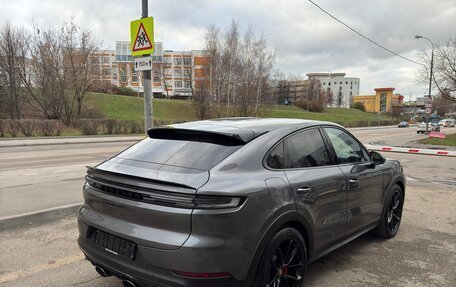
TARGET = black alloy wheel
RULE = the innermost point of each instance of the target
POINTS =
(284, 261)
(393, 214)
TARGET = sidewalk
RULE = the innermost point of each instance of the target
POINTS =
(12, 142)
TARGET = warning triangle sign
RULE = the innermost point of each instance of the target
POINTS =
(142, 40)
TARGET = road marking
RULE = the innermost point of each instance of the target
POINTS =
(39, 268)
(62, 170)
(410, 178)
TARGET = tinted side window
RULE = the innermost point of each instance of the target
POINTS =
(305, 149)
(347, 149)
(275, 157)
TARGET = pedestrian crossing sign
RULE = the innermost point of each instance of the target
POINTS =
(142, 36)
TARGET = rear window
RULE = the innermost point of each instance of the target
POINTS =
(189, 154)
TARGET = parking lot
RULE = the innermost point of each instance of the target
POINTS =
(422, 254)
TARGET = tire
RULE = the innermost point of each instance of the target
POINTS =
(392, 215)
(284, 261)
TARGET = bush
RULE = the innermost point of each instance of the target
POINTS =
(314, 106)
(89, 126)
(4, 127)
(124, 91)
(50, 128)
(27, 126)
(359, 106)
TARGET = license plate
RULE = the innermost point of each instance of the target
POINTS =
(115, 245)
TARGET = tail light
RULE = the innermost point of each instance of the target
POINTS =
(202, 275)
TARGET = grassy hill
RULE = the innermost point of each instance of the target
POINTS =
(127, 108)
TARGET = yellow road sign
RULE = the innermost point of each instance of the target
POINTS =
(142, 36)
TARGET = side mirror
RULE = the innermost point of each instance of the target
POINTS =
(376, 158)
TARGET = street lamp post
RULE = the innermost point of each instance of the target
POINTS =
(430, 76)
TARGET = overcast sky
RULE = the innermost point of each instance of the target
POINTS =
(305, 39)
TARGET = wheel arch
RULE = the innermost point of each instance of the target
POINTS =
(290, 219)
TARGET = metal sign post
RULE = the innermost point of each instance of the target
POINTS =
(428, 106)
(142, 44)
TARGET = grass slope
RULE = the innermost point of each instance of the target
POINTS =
(131, 108)
(125, 107)
(449, 140)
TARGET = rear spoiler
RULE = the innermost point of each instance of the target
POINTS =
(241, 137)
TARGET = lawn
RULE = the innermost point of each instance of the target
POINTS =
(127, 108)
(450, 140)
(132, 108)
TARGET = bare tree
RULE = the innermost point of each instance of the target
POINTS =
(444, 70)
(240, 70)
(166, 71)
(46, 86)
(81, 66)
(213, 48)
(14, 48)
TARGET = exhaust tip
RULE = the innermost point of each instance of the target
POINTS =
(128, 283)
(102, 271)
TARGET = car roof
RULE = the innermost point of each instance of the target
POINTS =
(245, 129)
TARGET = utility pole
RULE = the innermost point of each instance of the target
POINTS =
(430, 76)
(147, 82)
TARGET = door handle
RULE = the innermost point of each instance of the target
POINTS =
(353, 182)
(303, 190)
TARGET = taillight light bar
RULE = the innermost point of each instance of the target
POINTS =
(202, 275)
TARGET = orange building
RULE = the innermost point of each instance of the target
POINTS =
(384, 101)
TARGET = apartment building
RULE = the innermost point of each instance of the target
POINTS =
(175, 74)
(343, 88)
(103, 61)
(124, 74)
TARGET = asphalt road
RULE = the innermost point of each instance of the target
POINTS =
(37, 177)
(422, 254)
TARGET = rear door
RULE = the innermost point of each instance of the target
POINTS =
(364, 181)
(318, 186)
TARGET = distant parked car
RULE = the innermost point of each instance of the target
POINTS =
(403, 124)
(432, 127)
(447, 123)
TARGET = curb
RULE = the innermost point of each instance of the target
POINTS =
(63, 143)
(38, 217)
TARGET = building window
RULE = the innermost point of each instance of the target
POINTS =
(168, 60)
(324, 83)
(177, 73)
(157, 79)
(352, 93)
(134, 77)
(178, 84)
(340, 88)
(383, 102)
(329, 84)
(346, 83)
(177, 61)
(105, 72)
(187, 61)
(187, 85)
(341, 83)
(335, 83)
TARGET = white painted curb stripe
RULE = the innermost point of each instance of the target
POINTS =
(412, 150)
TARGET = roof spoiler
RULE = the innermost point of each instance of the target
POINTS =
(222, 138)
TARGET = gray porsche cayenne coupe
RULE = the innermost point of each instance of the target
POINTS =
(235, 202)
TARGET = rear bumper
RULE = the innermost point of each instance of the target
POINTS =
(140, 271)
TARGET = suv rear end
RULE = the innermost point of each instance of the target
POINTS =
(144, 222)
